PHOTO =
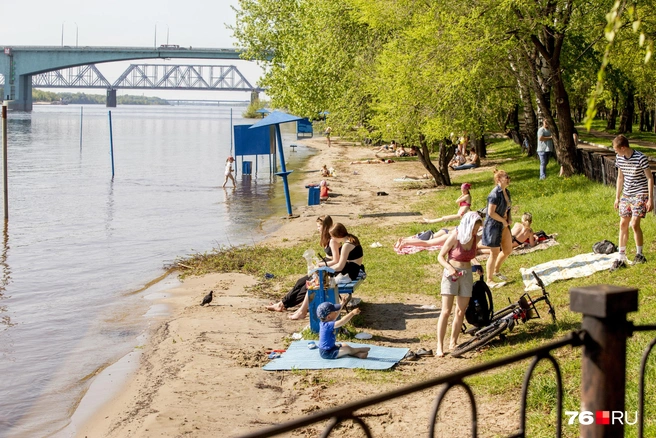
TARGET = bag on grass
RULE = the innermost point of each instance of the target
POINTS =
(541, 236)
(481, 306)
(604, 247)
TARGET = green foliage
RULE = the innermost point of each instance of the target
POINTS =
(99, 99)
(251, 111)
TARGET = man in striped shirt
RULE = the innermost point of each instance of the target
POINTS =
(633, 196)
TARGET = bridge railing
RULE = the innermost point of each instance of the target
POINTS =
(603, 337)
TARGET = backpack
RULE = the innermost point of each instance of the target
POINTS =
(604, 247)
(541, 236)
(481, 306)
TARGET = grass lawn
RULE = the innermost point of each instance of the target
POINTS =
(600, 126)
(579, 210)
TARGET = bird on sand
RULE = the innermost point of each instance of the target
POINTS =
(207, 299)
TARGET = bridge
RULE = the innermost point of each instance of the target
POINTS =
(20, 64)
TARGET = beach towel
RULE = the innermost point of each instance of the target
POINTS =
(299, 357)
(582, 265)
(411, 249)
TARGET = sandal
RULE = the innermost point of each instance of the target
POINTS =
(410, 356)
(423, 352)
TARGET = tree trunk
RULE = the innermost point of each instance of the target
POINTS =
(481, 147)
(530, 129)
(441, 174)
(512, 119)
(626, 119)
(642, 115)
(612, 116)
(565, 147)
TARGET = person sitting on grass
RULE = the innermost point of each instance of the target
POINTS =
(472, 162)
(522, 233)
(457, 160)
(464, 203)
(329, 349)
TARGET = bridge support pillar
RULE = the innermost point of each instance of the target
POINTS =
(111, 98)
(20, 96)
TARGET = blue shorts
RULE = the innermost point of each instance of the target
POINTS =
(330, 354)
(492, 231)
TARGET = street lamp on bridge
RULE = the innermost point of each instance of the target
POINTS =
(167, 33)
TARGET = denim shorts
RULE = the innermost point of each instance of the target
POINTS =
(462, 287)
(492, 234)
(330, 354)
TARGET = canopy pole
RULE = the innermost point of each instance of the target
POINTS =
(283, 173)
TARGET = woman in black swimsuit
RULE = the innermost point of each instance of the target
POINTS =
(296, 296)
(350, 255)
(348, 261)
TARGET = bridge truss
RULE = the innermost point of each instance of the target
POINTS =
(149, 76)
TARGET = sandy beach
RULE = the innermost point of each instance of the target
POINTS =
(200, 372)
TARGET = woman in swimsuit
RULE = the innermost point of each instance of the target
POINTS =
(298, 293)
(464, 203)
(348, 261)
(456, 257)
(522, 233)
(437, 239)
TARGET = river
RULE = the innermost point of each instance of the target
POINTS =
(80, 246)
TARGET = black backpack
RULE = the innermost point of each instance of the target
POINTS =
(481, 306)
(604, 247)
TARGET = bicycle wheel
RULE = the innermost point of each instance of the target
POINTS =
(480, 340)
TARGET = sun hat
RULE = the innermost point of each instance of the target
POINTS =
(465, 186)
(326, 309)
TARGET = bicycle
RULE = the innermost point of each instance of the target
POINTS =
(505, 319)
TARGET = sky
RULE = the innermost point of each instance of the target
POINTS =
(134, 23)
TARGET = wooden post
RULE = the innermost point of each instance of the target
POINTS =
(5, 181)
(111, 142)
(603, 365)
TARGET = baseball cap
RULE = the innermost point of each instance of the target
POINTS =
(326, 309)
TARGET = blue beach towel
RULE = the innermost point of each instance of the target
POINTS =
(299, 357)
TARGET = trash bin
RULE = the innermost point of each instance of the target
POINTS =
(313, 196)
(246, 167)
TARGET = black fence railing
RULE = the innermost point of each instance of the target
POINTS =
(603, 336)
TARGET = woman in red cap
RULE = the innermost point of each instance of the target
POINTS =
(228, 171)
(464, 203)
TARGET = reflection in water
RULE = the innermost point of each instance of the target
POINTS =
(5, 277)
(110, 210)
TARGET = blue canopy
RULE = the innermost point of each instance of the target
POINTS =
(275, 118)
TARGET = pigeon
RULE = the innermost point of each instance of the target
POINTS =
(207, 299)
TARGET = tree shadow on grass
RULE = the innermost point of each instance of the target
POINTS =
(393, 316)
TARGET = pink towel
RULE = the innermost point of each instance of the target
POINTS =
(411, 249)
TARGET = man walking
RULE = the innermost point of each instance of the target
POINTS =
(545, 148)
(636, 186)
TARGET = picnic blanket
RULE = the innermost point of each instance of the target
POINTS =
(582, 265)
(298, 356)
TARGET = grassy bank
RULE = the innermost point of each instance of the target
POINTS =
(580, 211)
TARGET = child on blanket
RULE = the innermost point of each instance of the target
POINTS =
(328, 348)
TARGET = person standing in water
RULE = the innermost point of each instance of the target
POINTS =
(228, 171)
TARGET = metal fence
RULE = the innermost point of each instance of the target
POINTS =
(603, 336)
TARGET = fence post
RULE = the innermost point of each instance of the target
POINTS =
(603, 364)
